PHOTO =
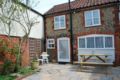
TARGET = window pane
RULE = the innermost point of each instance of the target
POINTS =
(56, 25)
(89, 22)
(99, 42)
(62, 21)
(82, 43)
(96, 21)
(88, 15)
(96, 14)
(56, 19)
(108, 42)
(90, 42)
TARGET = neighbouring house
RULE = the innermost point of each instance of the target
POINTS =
(96, 29)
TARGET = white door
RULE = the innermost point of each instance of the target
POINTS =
(63, 49)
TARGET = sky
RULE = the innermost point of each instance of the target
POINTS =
(44, 5)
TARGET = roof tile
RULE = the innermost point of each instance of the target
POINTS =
(78, 4)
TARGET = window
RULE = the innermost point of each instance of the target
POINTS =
(99, 42)
(108, 42)
(90, 42)
(92, 18)
(50, 44)
(96, 41)
(59, 22)
(82, 42)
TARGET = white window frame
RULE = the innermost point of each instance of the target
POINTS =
(60, 22)
(50, 44)
(96, 35)
(91, 12)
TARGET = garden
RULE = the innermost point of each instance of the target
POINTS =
(10, 61)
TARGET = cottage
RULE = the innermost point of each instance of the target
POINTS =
(96, 30)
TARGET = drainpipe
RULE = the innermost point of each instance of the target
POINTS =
(44, 39)
(71, 33)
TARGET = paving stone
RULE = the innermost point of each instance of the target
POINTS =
(71, 72)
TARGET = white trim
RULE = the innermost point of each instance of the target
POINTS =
(59, 23)
(51, 43)
(97, 35)
(91, 11)
(63, 60)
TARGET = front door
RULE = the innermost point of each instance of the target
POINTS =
(63, 49)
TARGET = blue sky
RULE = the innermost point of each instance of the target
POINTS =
(45, 5)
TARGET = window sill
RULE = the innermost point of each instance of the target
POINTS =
(97, 25)
(50, 48)
(60, 28)
(96, 48)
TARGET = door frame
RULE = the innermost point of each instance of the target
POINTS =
(60, 60)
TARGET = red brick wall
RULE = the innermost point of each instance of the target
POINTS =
(25, 47)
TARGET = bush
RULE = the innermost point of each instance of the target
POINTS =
(6, 77)
(8, 67)
(25, 71)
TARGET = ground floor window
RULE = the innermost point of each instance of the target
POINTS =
(50, 43)
(96, 41)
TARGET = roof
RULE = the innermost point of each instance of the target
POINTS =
(78, 4)
(26, 6)
(31, 9)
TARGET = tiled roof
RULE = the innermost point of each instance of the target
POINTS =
(78, 4)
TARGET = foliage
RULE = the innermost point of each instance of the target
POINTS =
(14, 14)
(25, 71)
(7, 56)
(6, 66)
(6, 77)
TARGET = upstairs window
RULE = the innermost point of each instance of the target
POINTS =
(50, 43)
(59, 22)
(92, 18)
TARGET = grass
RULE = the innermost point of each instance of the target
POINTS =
(6, 77)
(22, 71)
(25, 71)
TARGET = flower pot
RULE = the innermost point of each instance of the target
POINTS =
(34, 64)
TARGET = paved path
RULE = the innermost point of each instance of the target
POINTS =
(72, 72)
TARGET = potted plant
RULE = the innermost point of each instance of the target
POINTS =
(35, 63)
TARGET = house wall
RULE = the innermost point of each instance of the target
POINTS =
(18, 30)
(108, 26)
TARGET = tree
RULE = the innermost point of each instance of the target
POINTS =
(15, 15)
